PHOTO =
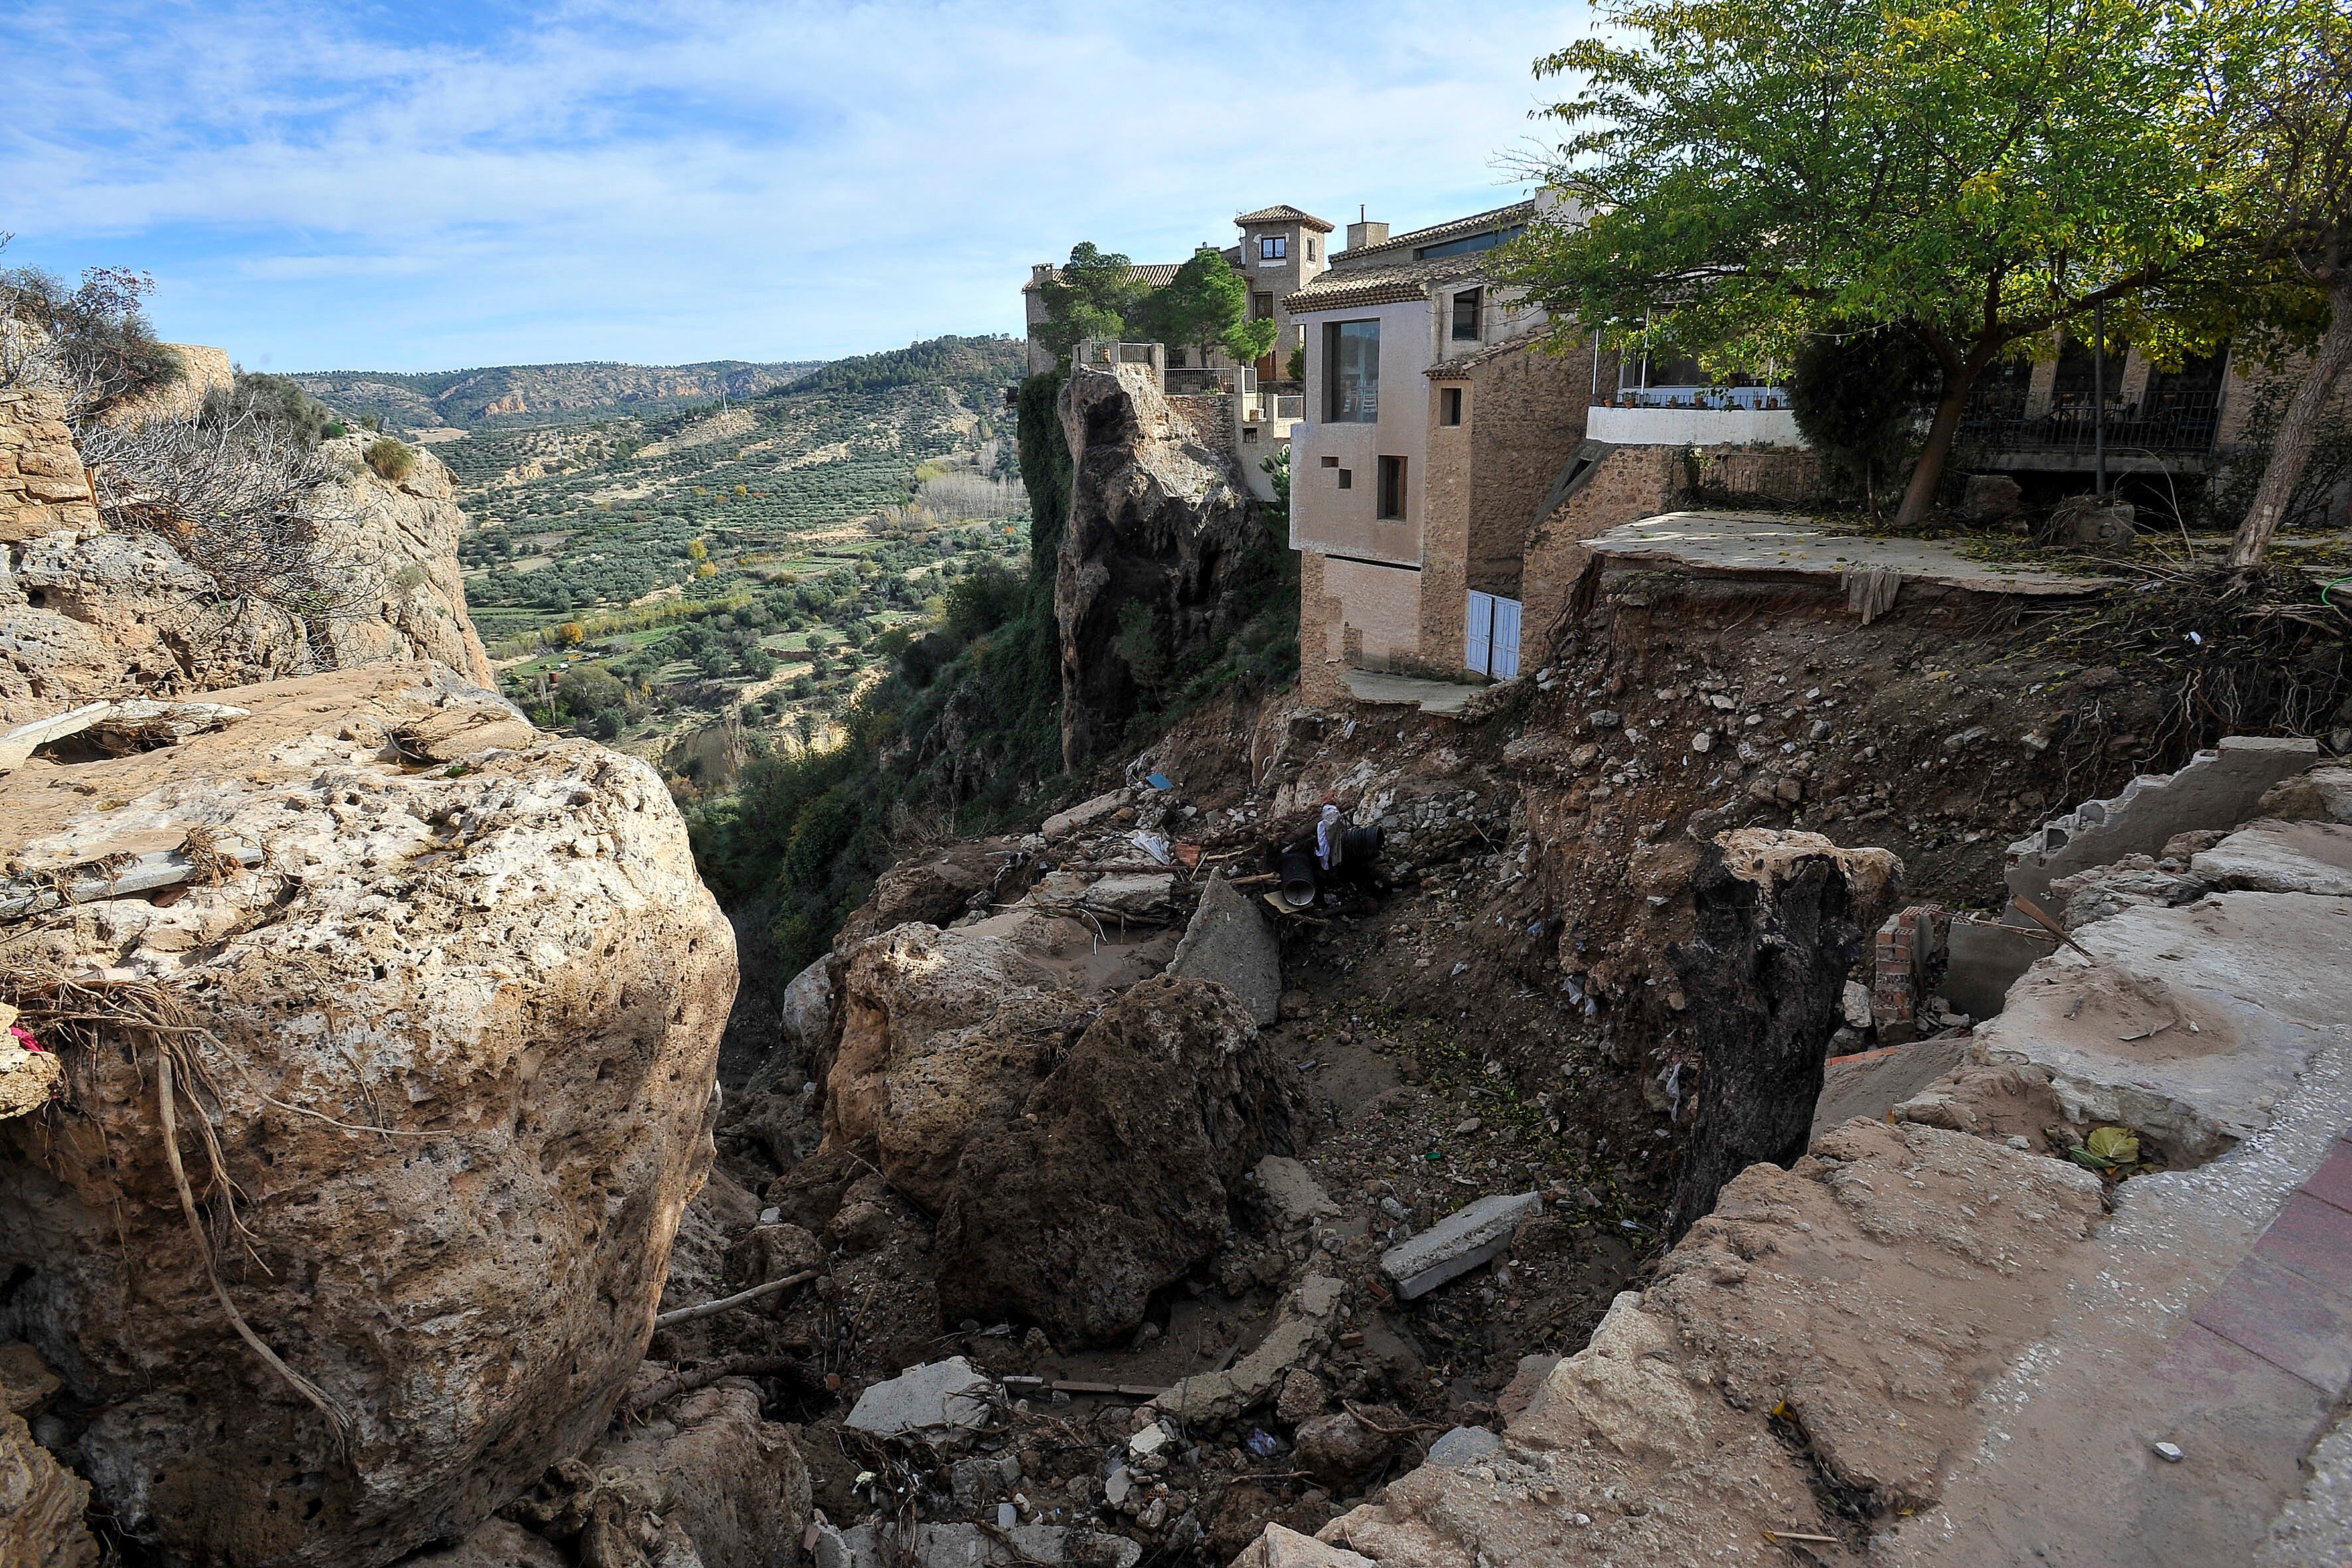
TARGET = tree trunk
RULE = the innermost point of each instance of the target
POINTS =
(2298, 431)
(1920, 494)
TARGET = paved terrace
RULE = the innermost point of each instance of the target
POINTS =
(1779, 545)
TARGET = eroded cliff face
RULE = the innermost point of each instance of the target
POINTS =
(88, 613)
(1159, 524)
(446, 995)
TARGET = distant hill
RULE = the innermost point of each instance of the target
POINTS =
(512, 396)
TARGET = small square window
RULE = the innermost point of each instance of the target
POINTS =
(1465, 315)
(1330, 462)
(1249, 435)
(1273, 246)
(1261, 307)
(1449, 406)
(1392, 499)
(1346, 479)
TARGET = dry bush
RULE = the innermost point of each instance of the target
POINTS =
(246, 501)
(959, 494)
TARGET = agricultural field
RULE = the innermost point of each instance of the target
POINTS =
(700, 586)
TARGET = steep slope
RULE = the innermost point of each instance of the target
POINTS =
(503, 396)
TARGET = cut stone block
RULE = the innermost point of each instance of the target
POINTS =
(1062, 824)
(1458, 1243)
(938, 1396)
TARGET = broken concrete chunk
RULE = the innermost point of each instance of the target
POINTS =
(1229, 942)
(1458, 1243)
(2280, 857)
(1296, 1196)
(1086, 813)
(1462, 1447)
(1307, 1320)
(940, 1395)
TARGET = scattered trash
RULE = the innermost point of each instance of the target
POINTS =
(1155, 844)
(2168, 1452)
(1263, 1443)
(1159, 781)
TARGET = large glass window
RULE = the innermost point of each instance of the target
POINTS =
(1352, 372)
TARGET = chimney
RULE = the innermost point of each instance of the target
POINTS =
(1361, 234)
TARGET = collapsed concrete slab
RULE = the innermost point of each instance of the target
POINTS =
(938, 1396)
(1470, 1235)
(1298, 1198)
(1229, 942)
(2280, 857)
(1309, 1316)
(2219, 788)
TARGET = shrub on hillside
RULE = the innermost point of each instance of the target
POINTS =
(92, 342)
(392, 459)
(278, 400)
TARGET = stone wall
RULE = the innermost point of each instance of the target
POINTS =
(42, 486)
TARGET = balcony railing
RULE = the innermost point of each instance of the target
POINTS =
(1695, 396)
(2170, 422)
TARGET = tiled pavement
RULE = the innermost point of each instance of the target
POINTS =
(2256, 1376)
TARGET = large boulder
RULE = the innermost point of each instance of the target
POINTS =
(444, 997)
(1113, 1179)
(941, 1030)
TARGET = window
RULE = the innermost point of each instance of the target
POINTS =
(1261, 307)
(1449, 406)
(1273, 246)
(1249, 435)
(1330, 462)
(1310, 247)
(1469, 245)
(1346, 479)
(1465, 315)
(1352, 372)
(1392, 505)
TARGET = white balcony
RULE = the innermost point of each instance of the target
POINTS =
(1696, 417)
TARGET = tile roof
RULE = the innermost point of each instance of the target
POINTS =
(1380, 285)
(1438, 234)
(1285, 213)
(1157, 274)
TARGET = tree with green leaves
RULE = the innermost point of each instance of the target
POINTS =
(1206, 305)
(1976, 174)
(1096, 295)
(2285, 105)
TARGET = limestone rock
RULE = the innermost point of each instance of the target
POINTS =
(41, 1501)
(513, 971)
(941, 1030)
(1160, 526)
(494, 1543)
(1113, 1179)
(1339, 1449)
(706, 1474)
(88, 613)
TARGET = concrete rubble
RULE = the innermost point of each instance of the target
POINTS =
(2195, 1307)
(1310, 1316)
(942, 1397)
(874, 1545)
(1228, 941)
(1475, 1234)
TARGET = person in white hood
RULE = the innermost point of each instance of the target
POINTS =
(1327, 837)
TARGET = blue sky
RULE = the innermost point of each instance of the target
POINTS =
(434, 185)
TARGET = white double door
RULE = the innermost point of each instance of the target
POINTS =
(1494, 641)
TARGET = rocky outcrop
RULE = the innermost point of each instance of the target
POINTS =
(941, 1030)
(41, 1501)
(1113, 1179)
(441, 997)
(1777, 918)
(89, 613)
(1159, 534)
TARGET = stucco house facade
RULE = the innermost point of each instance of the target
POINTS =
(1452, 457)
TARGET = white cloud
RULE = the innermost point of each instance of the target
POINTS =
(693, 179)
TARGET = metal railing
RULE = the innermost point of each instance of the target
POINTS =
(2169, 422)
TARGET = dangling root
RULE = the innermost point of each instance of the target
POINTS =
(61, 1006)
(300, 1384)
